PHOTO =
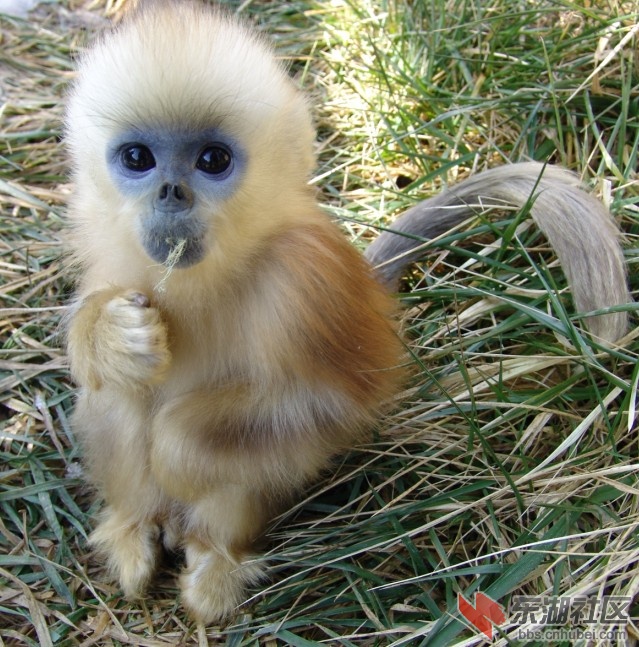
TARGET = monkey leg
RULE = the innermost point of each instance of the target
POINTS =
(221, 529)
(225, 487)
(117, 338)
(113, 428)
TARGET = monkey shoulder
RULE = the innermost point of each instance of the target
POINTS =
(316, 259)
(334, 320)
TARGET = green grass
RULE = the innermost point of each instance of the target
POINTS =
(510, 464)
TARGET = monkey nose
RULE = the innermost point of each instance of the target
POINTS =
(172, 198)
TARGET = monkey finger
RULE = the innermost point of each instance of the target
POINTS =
(132, 311)
(138, 299)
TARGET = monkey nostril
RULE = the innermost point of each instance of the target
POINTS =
(171, 192)
(174, 197)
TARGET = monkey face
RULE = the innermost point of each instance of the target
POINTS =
(176, 178)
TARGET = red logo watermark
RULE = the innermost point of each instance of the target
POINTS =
(552, 618)
(483, 614)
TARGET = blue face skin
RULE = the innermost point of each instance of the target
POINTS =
(178, 173)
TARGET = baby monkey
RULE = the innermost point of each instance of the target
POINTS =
(226, 339)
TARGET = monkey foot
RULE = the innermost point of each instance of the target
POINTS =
(214, 585)
(131, 550)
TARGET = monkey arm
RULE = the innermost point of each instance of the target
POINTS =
(577, 225)
(115, 337)
(269, 441)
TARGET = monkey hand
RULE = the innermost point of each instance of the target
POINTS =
(136, 337)
(118, 338)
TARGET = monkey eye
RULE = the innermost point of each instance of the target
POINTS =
(214, 160)
(137, 158)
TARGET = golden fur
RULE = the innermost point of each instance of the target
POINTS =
(210, 396)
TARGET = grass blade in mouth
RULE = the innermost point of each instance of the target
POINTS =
(171, 261)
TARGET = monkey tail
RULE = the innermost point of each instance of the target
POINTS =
(577, 225)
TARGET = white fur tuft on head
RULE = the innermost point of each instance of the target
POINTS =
(141, 74)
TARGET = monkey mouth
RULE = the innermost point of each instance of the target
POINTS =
(179, 243)
(175, 251)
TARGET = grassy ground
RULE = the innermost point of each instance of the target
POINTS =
(510, 466)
